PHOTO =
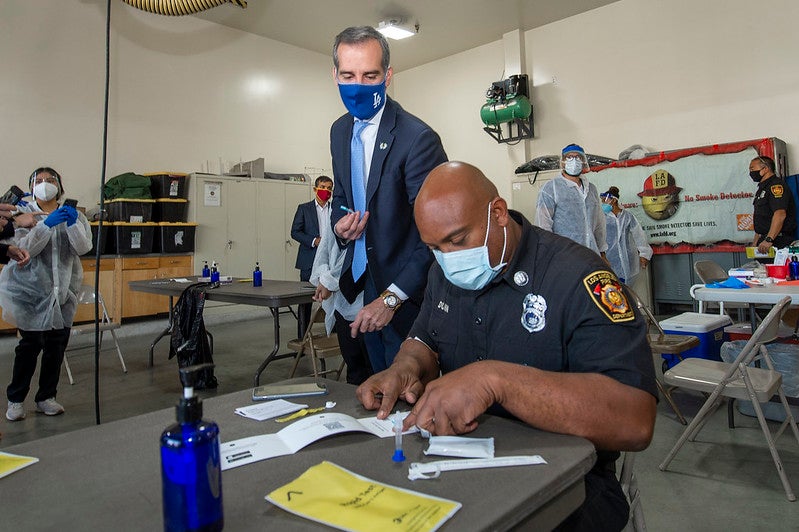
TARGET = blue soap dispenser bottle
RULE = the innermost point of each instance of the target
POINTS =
(206, 269)
(214, 273)
(191, 471)
(257, 276)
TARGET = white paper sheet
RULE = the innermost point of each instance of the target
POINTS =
(269, 409)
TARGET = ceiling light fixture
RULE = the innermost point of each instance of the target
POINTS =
(395, 29)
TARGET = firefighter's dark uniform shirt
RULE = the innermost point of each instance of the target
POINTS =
(773, 195)
(556, 307)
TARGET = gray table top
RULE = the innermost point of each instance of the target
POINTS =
(760, 295)
(108, 477)
(272, 294)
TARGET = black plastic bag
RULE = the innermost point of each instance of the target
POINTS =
(189, 340)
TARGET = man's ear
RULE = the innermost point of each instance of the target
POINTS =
(499, 211)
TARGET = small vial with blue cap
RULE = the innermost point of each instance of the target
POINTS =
(398, 456)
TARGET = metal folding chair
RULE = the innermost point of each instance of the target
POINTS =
(316, 343)
(86, 297)
(669, 344)
(738, 380)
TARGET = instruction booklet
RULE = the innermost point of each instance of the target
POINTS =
(300, 434)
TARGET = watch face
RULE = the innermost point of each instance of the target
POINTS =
(391, 300)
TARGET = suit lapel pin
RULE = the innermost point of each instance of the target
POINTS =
(383, 145)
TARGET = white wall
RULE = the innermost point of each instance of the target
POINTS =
(448, 94)
(665, 74)
(183, 91)
(668, 74)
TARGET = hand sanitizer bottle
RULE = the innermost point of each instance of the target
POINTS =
(206, 269)
(191, 470)
(257, 276)
(214, 273)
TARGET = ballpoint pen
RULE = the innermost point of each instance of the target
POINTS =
(345, 208)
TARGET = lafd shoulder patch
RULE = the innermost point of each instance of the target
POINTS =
(777, 191)
(606, 291)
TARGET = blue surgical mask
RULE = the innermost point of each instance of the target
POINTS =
(363, 101)
(606, 208)
(471, 269)
(573, 166)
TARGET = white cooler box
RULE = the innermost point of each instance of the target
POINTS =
(708, 327)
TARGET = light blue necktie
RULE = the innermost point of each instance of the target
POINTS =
(358, 196)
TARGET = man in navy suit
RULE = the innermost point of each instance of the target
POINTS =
(307, 229)
(393, 153)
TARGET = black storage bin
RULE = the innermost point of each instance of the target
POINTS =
(133, 239)
(164, 185)
(170, 210)
(107, 228)
(175, 237)
(133, 211)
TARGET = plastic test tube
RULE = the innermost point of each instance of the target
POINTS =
(399, 456)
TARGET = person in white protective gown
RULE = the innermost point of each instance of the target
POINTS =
(628, 251)
(569, 204)
(40, 298)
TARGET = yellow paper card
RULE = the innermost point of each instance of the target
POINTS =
(332, 495)
(14, 462)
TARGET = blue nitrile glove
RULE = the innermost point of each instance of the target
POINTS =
(731, 282)
(72, 215)
(56, 217)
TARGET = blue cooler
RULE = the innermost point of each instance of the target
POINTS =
(709, 328)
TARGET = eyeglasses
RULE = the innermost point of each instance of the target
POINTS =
(573, 158)
(45, 179)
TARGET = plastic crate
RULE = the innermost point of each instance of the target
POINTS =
(709, 328)
(175, 237)
(170, 210)
(133, 239)
(169, 185)
(134, 211)
(104, 244)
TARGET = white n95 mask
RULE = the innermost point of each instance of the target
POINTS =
(45, 191)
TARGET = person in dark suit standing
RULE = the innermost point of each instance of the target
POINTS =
(381, 156)
(307, 229)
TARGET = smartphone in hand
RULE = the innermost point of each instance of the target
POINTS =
(71, 203)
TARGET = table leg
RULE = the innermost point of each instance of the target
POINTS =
(167, 330)
(273, 354)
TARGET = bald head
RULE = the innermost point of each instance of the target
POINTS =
(453, 189)
(453, 207)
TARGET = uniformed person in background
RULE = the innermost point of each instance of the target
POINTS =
(775, 212)
(523, 322)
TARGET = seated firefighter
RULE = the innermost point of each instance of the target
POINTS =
(524, 322)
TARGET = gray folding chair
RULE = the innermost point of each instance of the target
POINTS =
(629, 485)
(709, 272)
(669, 344)
(86, 297)
(738, 380)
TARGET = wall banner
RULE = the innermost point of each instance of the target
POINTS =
(698, 199)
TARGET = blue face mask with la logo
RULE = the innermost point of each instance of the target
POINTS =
(363, 101)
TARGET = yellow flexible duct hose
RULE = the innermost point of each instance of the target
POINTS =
(180, 7)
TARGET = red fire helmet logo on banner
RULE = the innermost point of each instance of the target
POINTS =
(660, 197)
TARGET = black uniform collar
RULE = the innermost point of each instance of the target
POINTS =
(525, 254)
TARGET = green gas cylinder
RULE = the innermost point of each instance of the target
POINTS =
(497, 112)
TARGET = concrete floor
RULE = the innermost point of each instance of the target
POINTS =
(723, 481)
